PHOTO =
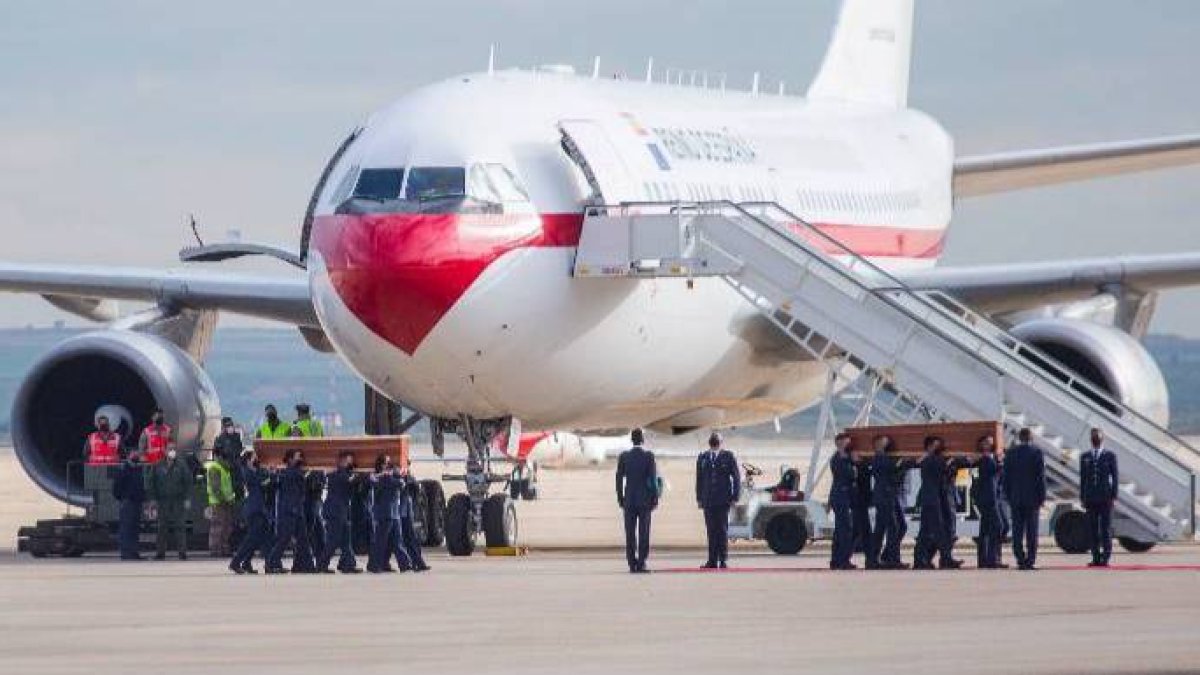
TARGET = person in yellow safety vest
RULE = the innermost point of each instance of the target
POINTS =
(221, 501)
(305, 425)
(103, 446)
(272, 426)
(155, 439)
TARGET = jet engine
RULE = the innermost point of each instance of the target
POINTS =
(121, 374)
(1106, 357)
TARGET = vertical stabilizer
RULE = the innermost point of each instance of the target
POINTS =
(869, 56)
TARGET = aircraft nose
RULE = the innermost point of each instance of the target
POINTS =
(401, 273)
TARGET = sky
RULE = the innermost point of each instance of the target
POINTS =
(119, 118)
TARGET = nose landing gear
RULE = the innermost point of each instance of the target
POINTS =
(475, 511)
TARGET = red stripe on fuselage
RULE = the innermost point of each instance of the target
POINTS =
(400, 273)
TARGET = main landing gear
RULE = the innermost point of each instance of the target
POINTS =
(475, 511)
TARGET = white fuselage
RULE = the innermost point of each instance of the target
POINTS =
(467, 305)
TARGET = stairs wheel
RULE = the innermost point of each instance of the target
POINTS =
(500, 520)
(1071, 532)
(786, 534)
(460, 540)
(1134, 546)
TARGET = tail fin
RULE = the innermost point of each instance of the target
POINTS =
(868, 58)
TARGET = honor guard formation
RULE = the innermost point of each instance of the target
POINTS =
(253, 509)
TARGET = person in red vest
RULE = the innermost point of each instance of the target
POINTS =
(155, 440)
(103, 446)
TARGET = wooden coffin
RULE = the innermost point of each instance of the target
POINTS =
(960, 438)
(322, 453)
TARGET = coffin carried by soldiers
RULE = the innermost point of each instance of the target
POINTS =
(322, 453)
(961, 438)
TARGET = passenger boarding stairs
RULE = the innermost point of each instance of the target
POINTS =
(904, 355)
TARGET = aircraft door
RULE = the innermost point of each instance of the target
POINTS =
(592, 150)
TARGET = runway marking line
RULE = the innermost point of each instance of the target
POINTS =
(1053, 568)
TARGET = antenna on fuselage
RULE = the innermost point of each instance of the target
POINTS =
(596, 68)
(491, 59)
(754, 84)
(650, 70)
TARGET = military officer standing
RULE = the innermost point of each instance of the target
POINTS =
(841, 497)
(718, 486)
(171, 487)
(1099, 482)
(129, 488)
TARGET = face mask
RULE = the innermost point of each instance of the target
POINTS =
(229, 430)
(158, 419)
(103, 426)
(171, 455)
(272, 417)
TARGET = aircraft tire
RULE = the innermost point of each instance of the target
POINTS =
(459, 538)
(500, 520)
(435, 513)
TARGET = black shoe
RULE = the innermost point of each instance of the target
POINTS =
(422, 568)
(160, 556)
(249, 570)
(237, 570)
(183, 555)
(923, 566)
(894, 566)
(1097, 563)
(641, 570)
(950, 564)
(276, 570)
(350, 570)
(709, 566)
(723, 565)
(325, 570)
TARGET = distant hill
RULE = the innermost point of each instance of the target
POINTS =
(254, 366)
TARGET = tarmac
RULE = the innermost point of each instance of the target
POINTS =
(570, 606)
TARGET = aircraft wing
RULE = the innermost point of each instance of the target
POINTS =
(1007, 171)
(1012, 287)
(282, 298)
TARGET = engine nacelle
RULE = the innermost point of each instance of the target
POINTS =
(124, 373)
(1108, 358)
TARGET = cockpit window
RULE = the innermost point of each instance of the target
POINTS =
(379, 184)
(495, 183)
(436, 182)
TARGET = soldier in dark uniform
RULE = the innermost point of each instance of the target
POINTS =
(342, 482)
(314, 498)
(935, 535)
(1099, 482)
(129, 488)
(986, 497)
(1025, 484)
(637, 496)
(408, 532)
(841, 496)
(386, 486)
(887, 497)
(718, 487)
(860, 509)
(289, 518)
(255, 514)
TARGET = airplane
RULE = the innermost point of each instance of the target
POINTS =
(435, 258)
